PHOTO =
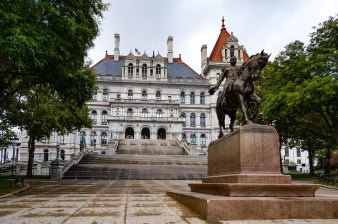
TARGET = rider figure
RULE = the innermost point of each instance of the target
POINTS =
(231, 73)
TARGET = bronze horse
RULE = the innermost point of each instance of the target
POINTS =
(242, 94)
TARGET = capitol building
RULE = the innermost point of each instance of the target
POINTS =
(143, 96)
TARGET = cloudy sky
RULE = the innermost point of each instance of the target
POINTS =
(258, 24)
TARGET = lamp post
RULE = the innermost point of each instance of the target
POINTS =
(13, 156)
(82, 142)
(57, 159)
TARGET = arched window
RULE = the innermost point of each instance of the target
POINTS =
(130, 94)
(158, 95)
(182, 97)
(184, 118)
(104, 138)
(192, 98)
(145, 112)
(62, 154)
(192, 119)
(193, 138)
(202, 98)
(203, 140)
(45, 155)
(104, 117)
(144, 95)
(129, 112)
(202, 119)
(144, 71)
(93, 138)
(105, 94)
(94, 116)
(232, 51)
(158, 71)
(159, 113)
(83, 138)
(130, 70)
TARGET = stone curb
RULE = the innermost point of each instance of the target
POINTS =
(329, 187)
(15, 192)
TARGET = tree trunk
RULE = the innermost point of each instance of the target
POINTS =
(31, 149)
(310, 151)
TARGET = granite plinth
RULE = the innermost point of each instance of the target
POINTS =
(256, 190)
(249, 178)
(245, 182)
(217, 208)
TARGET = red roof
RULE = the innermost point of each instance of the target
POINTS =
(216, 54)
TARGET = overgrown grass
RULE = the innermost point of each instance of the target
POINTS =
(6, 187)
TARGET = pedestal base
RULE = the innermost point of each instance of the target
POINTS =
(216, 208)
(254, 190)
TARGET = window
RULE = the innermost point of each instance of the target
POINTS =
(169, 98)
(94, 116)
(218, 75)
(105, 94)
(104, 138)
(158, 71)
(104, 117)
(144, 71)
(192, 119)
(182, 97)
(299, 161)
(232, 51)
(202, 119)
(286, 152)
(130, 70)
(118, 97)
(144, 112)
(192, 98)
(202, 98)
(298, 152)
(62, 154)
(184, 137)
(93, 138)
(193, 138)
(144, 95)
(203, 140)
(129, 112)
(82, 138)
(94, 97)
(151, 72)
(117, 111)
(239, 54)
(130, 94)
(45, 155)
(184, 118)
(159, 113)
(158, 95)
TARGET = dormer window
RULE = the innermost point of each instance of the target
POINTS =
(130, 70)
(232, 51)
(144, 71)
(158, 71)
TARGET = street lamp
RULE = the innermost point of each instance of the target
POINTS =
(13, 156)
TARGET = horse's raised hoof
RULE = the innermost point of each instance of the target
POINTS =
(220, 135)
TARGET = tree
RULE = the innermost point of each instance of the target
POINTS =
(46, 42)
(40, 112)
(299, 90)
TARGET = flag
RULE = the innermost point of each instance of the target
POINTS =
(137, 52)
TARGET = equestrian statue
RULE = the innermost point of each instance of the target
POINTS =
(238, 92)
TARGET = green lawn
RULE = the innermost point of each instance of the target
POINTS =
(6, 186)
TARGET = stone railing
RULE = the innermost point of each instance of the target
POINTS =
(184, 146)
(75, 159)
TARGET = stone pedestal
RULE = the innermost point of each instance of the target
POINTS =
(244, 166)
(56, 168)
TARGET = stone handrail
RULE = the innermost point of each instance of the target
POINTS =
(184, 146)
(74, 160)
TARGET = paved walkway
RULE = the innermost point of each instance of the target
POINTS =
(100, 201)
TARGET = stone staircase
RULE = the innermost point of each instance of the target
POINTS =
(141, 160)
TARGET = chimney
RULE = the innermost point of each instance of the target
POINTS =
(117, 47)
(203, 56)
(170, 49)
